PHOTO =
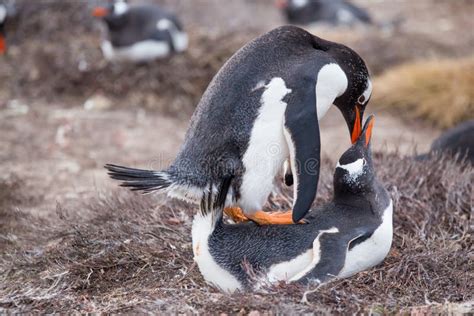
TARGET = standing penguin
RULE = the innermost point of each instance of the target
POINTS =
(140, 33)
(351, 233)
(335, 12)
(261, 109)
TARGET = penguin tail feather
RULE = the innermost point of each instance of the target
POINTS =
(146, 181)
(216, 206)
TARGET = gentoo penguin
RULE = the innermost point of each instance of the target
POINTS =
(261, 109)
(140, 33)
(3, 19)
(457, 141)
(335, 12)
(350, 234)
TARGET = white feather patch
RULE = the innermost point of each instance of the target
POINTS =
(316, 254)
(300, 3)
(120, 7)
(180, 39)
(368, 91)
(164, 24)
(3, 13)
(355, 168)
(284, 271)
(267, 149)
(331, 83)
(211, 271)
(139, 52)
(373, 250)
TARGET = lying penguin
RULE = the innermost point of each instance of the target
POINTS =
(335, 12)
(260, 110)
(351, 233)
(457, 142)
(140, 33)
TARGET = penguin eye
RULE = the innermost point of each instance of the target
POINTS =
(361, 99)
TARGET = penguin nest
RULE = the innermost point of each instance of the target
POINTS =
(126, 252)
(440, 91)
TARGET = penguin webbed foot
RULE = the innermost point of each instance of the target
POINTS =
(274, 218)
(236, 214)
(261, 217)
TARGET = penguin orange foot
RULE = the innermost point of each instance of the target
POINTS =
(261, 217)
(236, 214)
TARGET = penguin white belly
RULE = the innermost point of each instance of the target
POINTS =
(211, 271)
(298, 267)
(139, 52)
(267, 149)
(371, 251)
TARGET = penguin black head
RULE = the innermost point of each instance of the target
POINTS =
(355, 172)
(114, 14)
(353, 101)
(3, 18)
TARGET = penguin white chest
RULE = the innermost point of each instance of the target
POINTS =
(267, 148)
(373, 250)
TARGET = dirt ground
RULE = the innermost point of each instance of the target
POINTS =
(59, 125)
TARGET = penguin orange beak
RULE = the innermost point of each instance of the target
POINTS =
(357, 126)
(100, 12)
(368, 130)
(3, 45)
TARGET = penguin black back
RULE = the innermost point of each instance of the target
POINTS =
(335, 12)
(261, 109)
(457, 142)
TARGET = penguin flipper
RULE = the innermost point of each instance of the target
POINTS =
(302, 135)
(331, 246)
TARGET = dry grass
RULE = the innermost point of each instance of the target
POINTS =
(439, 91)
(124, 252)
(55, 53)
(57, 56)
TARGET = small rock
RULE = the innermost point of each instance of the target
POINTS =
(97, 103)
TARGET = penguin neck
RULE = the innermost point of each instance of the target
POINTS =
(373, 197)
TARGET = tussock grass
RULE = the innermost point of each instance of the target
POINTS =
(439, 91)
(127, 252)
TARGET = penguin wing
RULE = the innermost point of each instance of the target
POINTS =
(302, 135)
(332, 249)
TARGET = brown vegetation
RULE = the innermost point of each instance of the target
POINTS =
(127, 252)
(439, 91)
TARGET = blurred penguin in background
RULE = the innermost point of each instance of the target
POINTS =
(457, 142)
(334, 12)
(140, 33)
(7, 11)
